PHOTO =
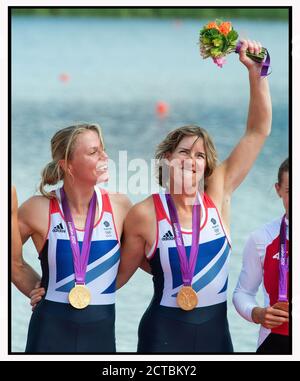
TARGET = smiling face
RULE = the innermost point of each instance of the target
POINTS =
(187, 165)
(282, 190)
(89, 162)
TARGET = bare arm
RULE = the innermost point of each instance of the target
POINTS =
(145, 265)
(133, 244)
(234, 169)
(23, 275)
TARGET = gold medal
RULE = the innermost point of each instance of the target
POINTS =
(284, 306)
(79, 296)
(187, 298)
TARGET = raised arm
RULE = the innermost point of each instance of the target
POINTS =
(234, 169)
(23, 275)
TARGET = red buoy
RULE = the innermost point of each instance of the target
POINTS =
(162, 108)
(64, 77)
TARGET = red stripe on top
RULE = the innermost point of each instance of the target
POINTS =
(271, 279)
(106, 205)
(160, 210)
(162, 215)
(207, 201)
(54, 206)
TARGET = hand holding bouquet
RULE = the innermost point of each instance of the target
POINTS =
(218, 38)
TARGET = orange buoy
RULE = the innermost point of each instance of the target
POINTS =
(162, 108)
(64, 77)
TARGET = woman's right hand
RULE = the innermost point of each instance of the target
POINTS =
(269, 317)
(36, 295)
(252, 47)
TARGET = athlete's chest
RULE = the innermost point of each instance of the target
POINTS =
(80, 219)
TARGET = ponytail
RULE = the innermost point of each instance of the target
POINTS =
(51, 175)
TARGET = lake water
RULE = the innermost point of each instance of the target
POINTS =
(114, 71)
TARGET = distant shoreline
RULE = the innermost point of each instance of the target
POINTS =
(192, 12)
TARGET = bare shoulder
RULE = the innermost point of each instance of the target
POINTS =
(143, 207)
(33, 216)
(120, 200)
(142, 213)
(36, 202)
(35, 206)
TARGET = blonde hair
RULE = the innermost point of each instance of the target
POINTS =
(171, 141)
(62, 148)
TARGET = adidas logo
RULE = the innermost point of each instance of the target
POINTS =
(59, 229)
(168, 236)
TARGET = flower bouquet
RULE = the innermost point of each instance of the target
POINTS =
(218, 38)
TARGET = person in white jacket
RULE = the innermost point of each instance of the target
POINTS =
(265, 249)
